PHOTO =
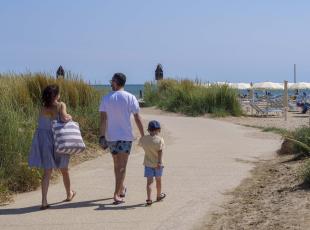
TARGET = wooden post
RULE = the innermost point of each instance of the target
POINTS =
(295, 80)
(285, 100)
(140, 94)
(252, 97)
(159, 73)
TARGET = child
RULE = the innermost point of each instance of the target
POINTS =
(153, 147)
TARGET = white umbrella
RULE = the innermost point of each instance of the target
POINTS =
(299, 85)
(267, 85)
(221, 83)
(240, 85)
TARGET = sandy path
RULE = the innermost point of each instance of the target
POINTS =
(204, 158)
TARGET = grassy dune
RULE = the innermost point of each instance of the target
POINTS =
(20, 100)
(191, 98)
(296, 142)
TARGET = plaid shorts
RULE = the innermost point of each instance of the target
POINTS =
(120, 146)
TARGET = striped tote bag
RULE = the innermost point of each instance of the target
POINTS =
(67, 137)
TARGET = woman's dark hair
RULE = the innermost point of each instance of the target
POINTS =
(49, 94)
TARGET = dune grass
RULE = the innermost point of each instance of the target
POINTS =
(296, 142)
(301, 145)
(191, 98)
(20, 101)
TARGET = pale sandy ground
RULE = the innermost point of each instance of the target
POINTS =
(274, 196)
(294, 120)
(204, 158)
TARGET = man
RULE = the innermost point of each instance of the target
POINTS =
(116, 130)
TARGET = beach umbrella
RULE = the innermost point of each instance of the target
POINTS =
(221, 83)
(268, 85)
(240, 85)
(299, 85)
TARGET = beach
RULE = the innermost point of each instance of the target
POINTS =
(274, 196)
(224, 83)
(200, 167)
(294, 120)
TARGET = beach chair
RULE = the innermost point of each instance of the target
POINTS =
(266, 111)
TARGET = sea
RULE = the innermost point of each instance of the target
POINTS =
(135, 89)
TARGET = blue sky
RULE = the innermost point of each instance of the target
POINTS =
(232, 40)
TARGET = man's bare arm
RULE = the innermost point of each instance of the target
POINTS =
(139, 123)
(103, 123)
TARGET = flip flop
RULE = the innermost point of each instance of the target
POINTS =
(71, 198)
(117, 202)
(44, 207)
(149, 202)
(161, 197)
(124, 193)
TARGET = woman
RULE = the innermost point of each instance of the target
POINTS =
(42, 150)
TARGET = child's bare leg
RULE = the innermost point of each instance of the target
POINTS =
(158, 186)
(149, 187)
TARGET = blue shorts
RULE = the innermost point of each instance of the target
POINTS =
(120, 147)
(153, 172)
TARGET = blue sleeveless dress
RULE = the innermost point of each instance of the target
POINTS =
(42, 153)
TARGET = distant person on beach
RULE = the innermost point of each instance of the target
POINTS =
(153, 146)
(42, 150)
(116, 109)
(60, 72)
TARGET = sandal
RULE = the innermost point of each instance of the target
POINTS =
(44, 207)
(161, 197)
(71, 198)
(149, 202)
(124, 193)
(117, 201)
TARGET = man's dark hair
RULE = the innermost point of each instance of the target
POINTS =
(120, 79)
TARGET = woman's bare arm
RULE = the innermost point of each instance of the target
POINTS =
(64, 116)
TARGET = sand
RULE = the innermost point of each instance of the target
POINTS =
(204, 159)
(272, 198)
(294, 120)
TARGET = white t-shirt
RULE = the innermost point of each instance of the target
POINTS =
(119, 105)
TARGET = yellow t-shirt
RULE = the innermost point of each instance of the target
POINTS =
(151, 145)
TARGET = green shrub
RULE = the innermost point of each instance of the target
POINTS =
(4, 193)
(191, 98)
(302, 135)
(24, 179)
(305, 171)
(20, 102)
(298, 142)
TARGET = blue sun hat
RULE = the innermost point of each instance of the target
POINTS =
(153, 125)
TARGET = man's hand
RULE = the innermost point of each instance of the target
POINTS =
(103, 142)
